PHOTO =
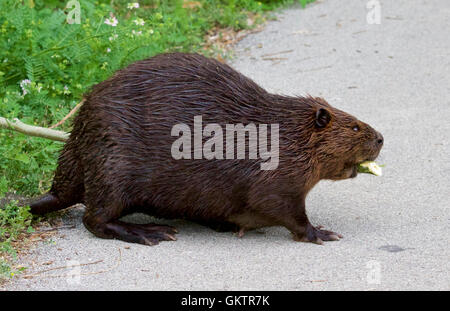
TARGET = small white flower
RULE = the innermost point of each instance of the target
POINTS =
(136, 33)
(133, 5)
(23, 85)
(150, 31)
(113, 37)
(25, 82)
(112, 21)
(66, 90)
(139, 21)
(108, 50)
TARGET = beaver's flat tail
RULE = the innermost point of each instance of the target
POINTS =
(67, 187)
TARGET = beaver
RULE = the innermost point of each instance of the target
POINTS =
(118, 158)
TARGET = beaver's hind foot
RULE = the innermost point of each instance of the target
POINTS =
(147, 234)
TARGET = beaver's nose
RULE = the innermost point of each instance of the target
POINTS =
(379, 139)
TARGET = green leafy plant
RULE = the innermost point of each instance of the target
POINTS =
(14, 221)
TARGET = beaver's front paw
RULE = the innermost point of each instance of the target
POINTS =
(316, 235)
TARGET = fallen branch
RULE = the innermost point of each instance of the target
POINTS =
(55, 228)
(31, 130)
(277, 53)
(40, 273)
(68, 116)
(274, 58)
(29, 276)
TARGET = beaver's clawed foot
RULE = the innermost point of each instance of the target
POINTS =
(147, 234)
(316, 235)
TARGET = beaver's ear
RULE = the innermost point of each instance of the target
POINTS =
(323, 117)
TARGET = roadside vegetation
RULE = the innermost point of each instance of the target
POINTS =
(47, 64)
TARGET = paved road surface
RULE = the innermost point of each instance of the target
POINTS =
(395, 76)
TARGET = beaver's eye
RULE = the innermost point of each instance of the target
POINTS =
(355, 128)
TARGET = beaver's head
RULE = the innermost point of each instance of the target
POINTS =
(342, 142)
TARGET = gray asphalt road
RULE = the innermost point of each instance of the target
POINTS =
(396, 76)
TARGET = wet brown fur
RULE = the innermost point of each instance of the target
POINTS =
(118, 161)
